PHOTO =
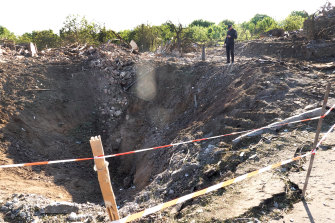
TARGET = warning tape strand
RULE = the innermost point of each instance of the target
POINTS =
(164, 146)
(215, 187)
(323, 139)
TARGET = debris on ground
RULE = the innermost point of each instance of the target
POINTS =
(321, 25)
(36, 208)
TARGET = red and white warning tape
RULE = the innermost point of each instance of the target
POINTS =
(216, 186)
(322, 139)
(160, 147)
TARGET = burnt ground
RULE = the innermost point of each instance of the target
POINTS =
(50, 109)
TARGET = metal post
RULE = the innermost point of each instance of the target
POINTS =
(318, 130)
(104, 179)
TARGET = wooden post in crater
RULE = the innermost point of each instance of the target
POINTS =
(318, 130)
(101, 167)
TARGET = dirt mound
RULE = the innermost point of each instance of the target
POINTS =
(315, 50)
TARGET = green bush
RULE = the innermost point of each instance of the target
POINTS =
(293, 22)
(226, 22)
(197, 34)
(42, 39)
(145, 36)
(266, 24)
(127, 35)
(105, 35)
(45, 39)
(302, 14)
(202, 23)
(79, 30)
(6, 34)
(257, 18)
(215, 32)
(25, 38)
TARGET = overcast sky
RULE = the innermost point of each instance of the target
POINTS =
(21, 16)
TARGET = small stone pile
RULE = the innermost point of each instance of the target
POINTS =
(36, 208)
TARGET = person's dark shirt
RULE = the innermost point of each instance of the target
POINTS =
(233, 35)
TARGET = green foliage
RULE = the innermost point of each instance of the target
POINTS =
(178, 32)
(202, 23)
(243, 31)
(215, 32)
(266, 24)
(302, 14)
(45, 39)
(165, 32)
(127, 35)
(258, 24)
(293, 22)
(42, 39)
(257, 18)
(249, 27)
(104, 35)
(197, 33)
(79, 30)
(25, 38)
(145, 37)
(6, 34)
(226, 22)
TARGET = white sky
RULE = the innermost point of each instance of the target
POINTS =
(21, 16)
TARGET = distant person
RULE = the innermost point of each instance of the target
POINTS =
(229, 43)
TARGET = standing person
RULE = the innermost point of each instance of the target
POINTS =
(229, 43)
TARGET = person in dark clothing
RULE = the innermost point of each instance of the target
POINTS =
(229, 43)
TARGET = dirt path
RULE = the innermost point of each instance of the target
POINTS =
(32, 183)
(320, 201)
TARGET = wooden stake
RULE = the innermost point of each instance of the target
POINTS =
(104, 179)
(316, 139)
(203, 54)
(195, 101)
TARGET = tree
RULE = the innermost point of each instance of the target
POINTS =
(244, 30)
(302, 14)
(215, 32)
(79, 30)
(46, 38)
(165, 32)
(293, 22)
(257, 18)
(266, 24)
(178, 31)
(251, 28)
(127, 35)
(202, 23)
(145, 36)
(224, 23)
(25, 38)
(197, 34)
(104, 35)
(43, 39)
(6, 34)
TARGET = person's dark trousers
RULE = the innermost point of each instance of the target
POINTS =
(230, 52)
